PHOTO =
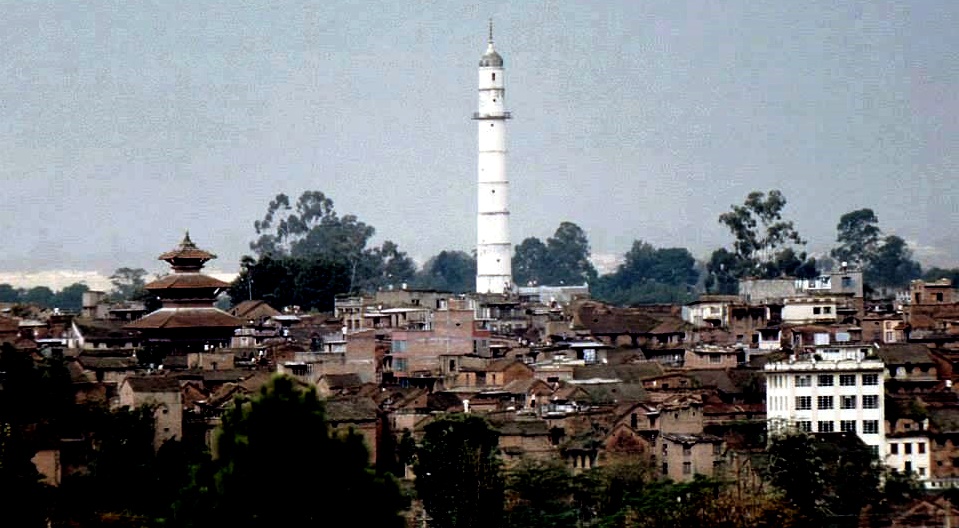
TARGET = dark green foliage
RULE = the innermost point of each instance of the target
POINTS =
(529, 261)
(306, 254)
(650, 275)
(458, 473)
(309, 284)
(40, 296)
(826, 477)
(934, 274)
(450, 271)
(541, 495)
(279, 465)
(562, 260)
(858, 237)
(129, 284)
(723, 272)
(25, 499)
(762, 246)
(892, 265)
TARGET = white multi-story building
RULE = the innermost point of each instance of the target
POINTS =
(828, 396)
(909, 454)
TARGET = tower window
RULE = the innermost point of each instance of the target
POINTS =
(494, 76)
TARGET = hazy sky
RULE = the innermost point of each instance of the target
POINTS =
(124, 123)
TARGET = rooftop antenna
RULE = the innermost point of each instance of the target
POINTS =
(490, 30)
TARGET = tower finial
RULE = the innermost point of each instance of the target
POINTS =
(490, 30)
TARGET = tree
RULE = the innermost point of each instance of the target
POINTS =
(824, 478)
(9, 294)
(650, 275)
(71, 297)
(934, 274)
(892, 265)
(458, 474)
(288, 281)
(858, 237)
(568, 252)
(452, 271)
(723, 272)
(759, 228)
(530, 261)
(40, 296)
(128, 284)
(541, 495)
(248, 485)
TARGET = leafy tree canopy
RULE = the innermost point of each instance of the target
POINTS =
(452, 271)
(562, 260)
(458, 473)
(307, 244)
(247, 485)
(892, 265)
(650, 275)
(129, 284)
(858, 237)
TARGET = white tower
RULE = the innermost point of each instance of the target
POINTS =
(493, 247)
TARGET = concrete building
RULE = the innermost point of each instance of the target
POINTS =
(828, 396)
(493, 246)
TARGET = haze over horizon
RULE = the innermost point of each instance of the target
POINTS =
(125, 124)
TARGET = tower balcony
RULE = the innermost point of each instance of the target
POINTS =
(498, 115)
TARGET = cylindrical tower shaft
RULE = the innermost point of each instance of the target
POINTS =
(493, 246)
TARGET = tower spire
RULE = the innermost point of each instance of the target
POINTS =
(491, 30)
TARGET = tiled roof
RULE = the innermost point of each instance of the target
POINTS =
(186, 281)
(351, 410)
(101, 329)
(523, 428)
(153, 384)
(340, 381)
(187, 318)
(245, 308)
(630, 372)
(187, 250)
(108, 363)
(902, 353)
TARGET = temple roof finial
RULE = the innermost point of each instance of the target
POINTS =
(490, 30)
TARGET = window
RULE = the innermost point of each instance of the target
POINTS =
(687, 451)
(893, 449)
(824, 402)
(826, 427)
(908, 467)
(847, 402)
(870, 401)
(922, 471)
(816, 310)
(921, 448)
(870, 379)
(827, 309)
(803, 403)
(847, 426)
(805, 426)
(846, 282)
(825, 380)
(494, 76)
(938, 296)
(907, 448)
(847, 380)
(665, 468)
(687, 468)
(715, 358)
(717, 449)
(398, 346)
(804, 380)
(870, 426)
(399, 364)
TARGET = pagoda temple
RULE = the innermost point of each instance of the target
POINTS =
(187, 320)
